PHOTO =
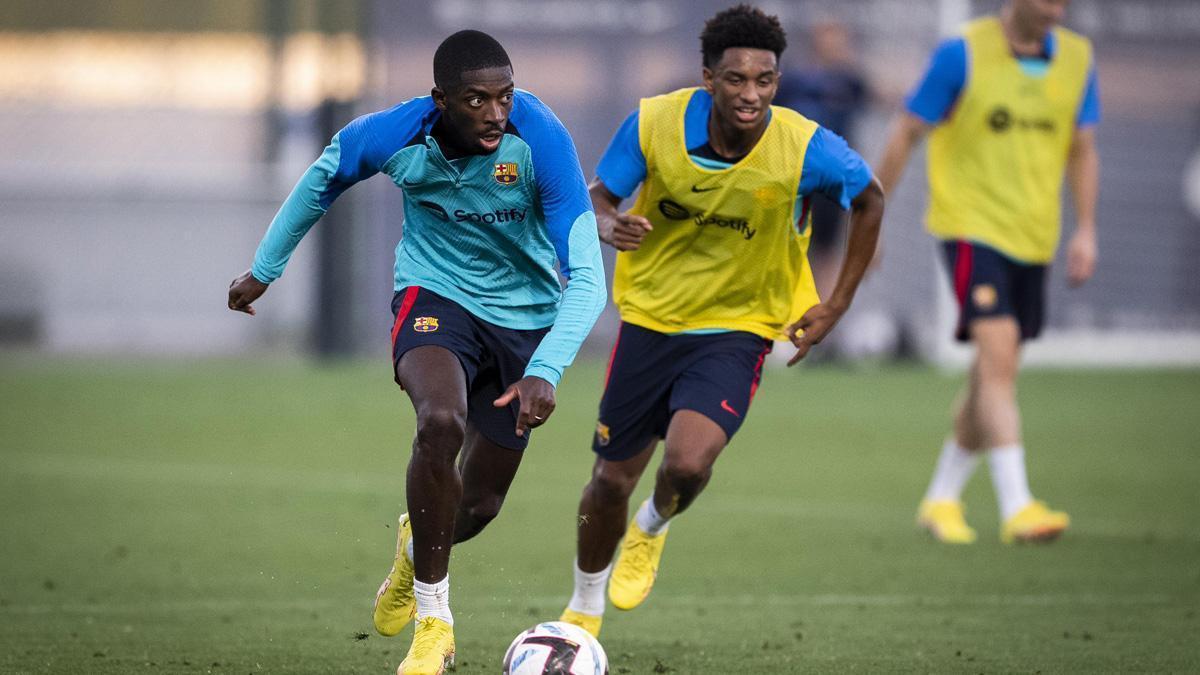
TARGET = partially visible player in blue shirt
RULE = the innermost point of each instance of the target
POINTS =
(1010, 106)
(934, 97)
(494, 197)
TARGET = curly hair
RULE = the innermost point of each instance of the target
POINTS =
(465, 51)
(741, 26)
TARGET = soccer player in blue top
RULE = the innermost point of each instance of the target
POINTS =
(494, 196)
(1010, 107)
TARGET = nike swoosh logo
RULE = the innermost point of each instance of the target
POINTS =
(407, 184)
(697, 188)
(726, 407)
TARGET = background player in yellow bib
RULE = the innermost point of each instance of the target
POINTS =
(1012, 104)
(711, 269)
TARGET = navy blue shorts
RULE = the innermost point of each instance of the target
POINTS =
(652, 374)
(988, 283)
(492, 357)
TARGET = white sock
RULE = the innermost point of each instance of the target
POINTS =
(1008, 477)
(589, 591)
(649, 520)
(433, 599)
(954, 468)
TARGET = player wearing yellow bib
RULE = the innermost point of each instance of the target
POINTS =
(712, 268)
(1012, 104)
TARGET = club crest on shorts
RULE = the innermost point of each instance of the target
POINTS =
(602, 436)
(425, 324)
(984, 296)
(506, 173)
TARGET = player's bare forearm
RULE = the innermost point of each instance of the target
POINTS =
(605, 204)
(622, 231)
(1083, 173)
(866, 218)
(906, 134)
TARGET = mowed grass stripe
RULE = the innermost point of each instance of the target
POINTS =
(90, 468)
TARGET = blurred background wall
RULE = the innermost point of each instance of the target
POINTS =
(146, 146)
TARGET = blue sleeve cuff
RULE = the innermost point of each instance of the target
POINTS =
(1089, 108)
(623, 166)
(545, 372)
(582, 302)
(833, 169)
(260, 274)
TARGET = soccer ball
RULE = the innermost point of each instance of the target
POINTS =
(555, 648)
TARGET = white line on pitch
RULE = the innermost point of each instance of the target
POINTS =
(666, 602)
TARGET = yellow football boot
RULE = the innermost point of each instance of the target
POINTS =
(944, 520)
(432, 651)
(585, 621)
(395, 604)
(637, 567)
(1034, 523)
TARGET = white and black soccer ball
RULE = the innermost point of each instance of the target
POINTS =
(555, 648)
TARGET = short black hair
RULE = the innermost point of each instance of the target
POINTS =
(741, 26)
(465, 51)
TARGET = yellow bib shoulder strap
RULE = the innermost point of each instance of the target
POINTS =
(652, 132)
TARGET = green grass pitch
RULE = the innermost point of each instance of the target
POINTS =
(232, 517)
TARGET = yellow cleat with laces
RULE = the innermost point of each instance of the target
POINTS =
(395, 604)
(432, 651)
(587, 622)
(944, 520)
(1034, 523)
(637, 567)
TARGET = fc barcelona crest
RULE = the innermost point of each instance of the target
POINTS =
(506, 173)
(602, 434)
(425, 324)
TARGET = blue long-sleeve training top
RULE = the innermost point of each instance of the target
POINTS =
(483, 230)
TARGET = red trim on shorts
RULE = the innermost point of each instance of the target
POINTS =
(758, 370)
(962, 272)
(410, 298)
(613, 357)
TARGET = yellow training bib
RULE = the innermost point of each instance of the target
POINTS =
(725, 252)
(996, 165)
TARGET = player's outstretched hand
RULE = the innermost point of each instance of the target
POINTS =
(244, 290)
(1081, 256)
(537, 402)
(624, 231)
(812, 328)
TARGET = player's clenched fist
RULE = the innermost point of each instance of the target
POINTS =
(623, 231)
(244, 290)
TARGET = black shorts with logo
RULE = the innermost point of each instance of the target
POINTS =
(492, 357)
(651, 375)
(988, 283)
